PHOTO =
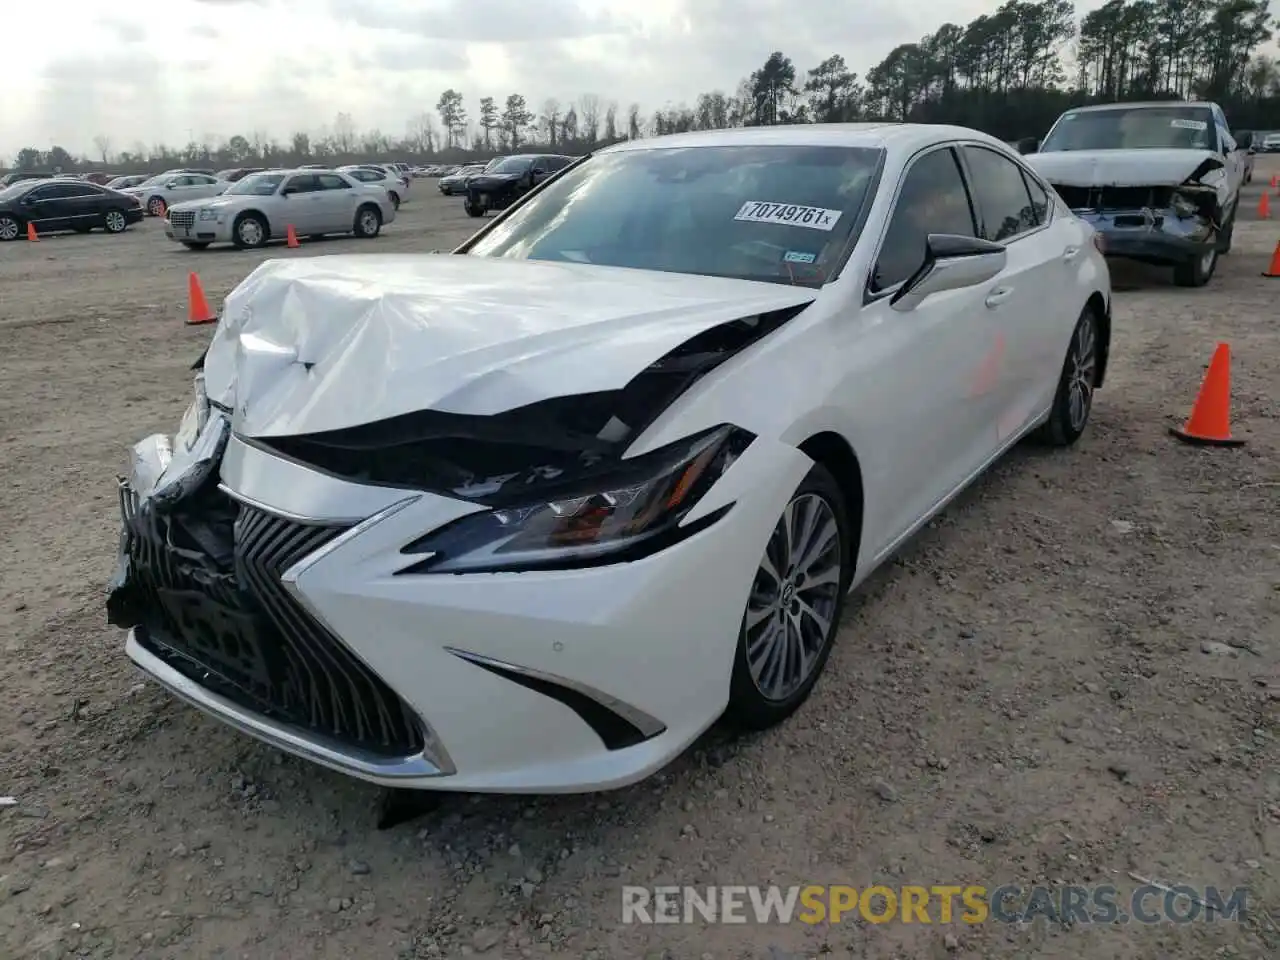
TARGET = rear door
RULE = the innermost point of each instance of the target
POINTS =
(85, 205)
(336, 208)
(1032, 301)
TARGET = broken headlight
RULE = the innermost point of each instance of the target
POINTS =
(1182, 206)
(623, 515)
(194, 420)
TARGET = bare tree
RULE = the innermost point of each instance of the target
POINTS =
(550, 119)
(589, 117)
(344, 133)
(102, 143)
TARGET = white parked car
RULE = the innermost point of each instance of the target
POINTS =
(396, 186)
(531, 516)
(263, 206)
(166, 189)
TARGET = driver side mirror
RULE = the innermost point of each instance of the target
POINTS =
(170, 184)
(288, 191)
(951, 263)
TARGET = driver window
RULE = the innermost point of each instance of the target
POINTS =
(934, 199)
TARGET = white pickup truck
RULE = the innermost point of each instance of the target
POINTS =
(1159, 181)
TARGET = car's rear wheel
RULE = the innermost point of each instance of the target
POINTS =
(250, 231)
(395, 200)
(368, 222)
(1073, 400)
(1197, 272)
(114, 221)
(793, 612)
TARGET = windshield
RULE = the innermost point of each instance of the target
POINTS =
(1133, 128)
(783, 214)
(512, 165)
(256, 185)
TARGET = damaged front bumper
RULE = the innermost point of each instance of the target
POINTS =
(1152, 236)
(1157, 225)
(274, 598)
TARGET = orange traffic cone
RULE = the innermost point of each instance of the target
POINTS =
(31, 232)
(1264, 206)
(1210, 421)
(293, 237)
(198, 311)
(1275, 180)
(1273, 271)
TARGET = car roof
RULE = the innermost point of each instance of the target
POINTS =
(905, 136)
(1141, 105)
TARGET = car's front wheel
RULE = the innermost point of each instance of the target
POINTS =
(250, 231)
(1073, 399)
(473, 209)
(10, 228)
(794, 608)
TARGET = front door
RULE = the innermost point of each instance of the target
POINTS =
(931, 365)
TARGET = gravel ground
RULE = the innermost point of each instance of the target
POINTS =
(1070, 677)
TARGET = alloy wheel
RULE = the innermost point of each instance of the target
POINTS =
(1084, 365)
(790, 614)
(8, 228)
(115, 221)
(250, 232)
(368, 222)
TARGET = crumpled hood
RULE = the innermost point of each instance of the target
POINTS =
(1122, 168)
(325, 343)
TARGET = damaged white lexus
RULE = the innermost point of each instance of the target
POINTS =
(1160, 181)
(533, 515)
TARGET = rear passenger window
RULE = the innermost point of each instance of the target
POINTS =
(1039, 198)
(1001, 194)
(933, 200)
(329, 181)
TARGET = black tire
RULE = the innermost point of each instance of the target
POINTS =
(243, 236)
(395, 199)
(156, 206)
(196, 244)
(750, 708)
(1197, 272)
(1076, 384)
(10, 228)
(115, 221)
(368, 222)
(472, 209)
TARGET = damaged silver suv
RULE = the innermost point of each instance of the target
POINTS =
(1160, 182)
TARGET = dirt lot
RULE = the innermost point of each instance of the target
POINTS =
(1071, 677)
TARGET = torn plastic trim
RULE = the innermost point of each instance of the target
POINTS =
(555, 443)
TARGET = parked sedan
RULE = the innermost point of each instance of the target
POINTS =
(53, 206)
(163, 191)
(530, 517)
(457, 183)
(263, 206)
(132, 180)
(367, 173)
(510, 179)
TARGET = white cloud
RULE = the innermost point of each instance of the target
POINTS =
(155, 71)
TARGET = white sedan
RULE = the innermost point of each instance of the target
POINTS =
(161, 192)
(531, 516)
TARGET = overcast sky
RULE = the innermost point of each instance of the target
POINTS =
(149, 71)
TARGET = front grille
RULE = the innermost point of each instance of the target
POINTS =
(206, 587)
(182, 218)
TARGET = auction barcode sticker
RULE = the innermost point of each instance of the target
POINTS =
(1188, 124)
(816, 218)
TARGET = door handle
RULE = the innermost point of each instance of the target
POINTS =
(998, 296)
(1069, 254)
